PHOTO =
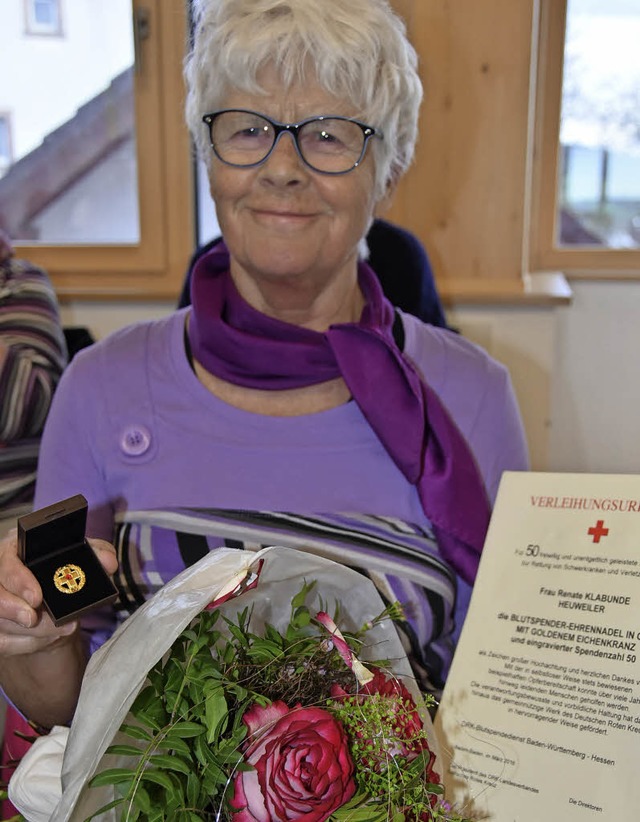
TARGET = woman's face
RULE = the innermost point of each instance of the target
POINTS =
(286, 225)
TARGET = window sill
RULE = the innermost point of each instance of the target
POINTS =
(547, 288)
(619, 275)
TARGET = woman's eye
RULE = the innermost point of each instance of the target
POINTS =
(321, 138)
(246, 133)
(325, 136)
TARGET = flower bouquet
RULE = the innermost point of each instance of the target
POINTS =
(286, 697)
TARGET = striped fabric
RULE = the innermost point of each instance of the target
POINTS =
(32, 356)
(401, 559)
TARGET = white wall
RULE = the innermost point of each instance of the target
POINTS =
(576, 375)
(103, 317)
(574, 369)
(596, 381)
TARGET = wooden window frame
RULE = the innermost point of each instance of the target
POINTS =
(573, 261)
(493, 101)
(153, 268)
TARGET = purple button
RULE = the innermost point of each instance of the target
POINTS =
(135, 440)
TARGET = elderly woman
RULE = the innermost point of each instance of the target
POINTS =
(291, 404)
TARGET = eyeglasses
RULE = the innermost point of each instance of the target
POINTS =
(330, 145)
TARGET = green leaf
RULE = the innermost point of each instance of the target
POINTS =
(158, 778)
(178, 705)
(367, 814)
(242, 618)
(239, 635)
(112, 776)
(135, 732)
(149, 720)
(202, 644)
(239, 692)
(302, 618)
(215, 713)
(360, 808)
(171, 763)
(156, 678)
(124, 750)
(244, 766)
(103, 809)
(146, 697)
(175, 804)
(193, 790)
(175, 743)
(185, 730)
(300, 598)
(203, 752)
(273, 635)
(142, 801)
(213, 779)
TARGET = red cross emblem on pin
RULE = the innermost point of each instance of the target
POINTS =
(598, 530)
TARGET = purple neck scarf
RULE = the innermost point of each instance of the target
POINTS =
(239, 344)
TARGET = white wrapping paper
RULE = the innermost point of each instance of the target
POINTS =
(37, 789)
(117, 672)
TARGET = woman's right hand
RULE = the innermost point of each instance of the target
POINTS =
(25, 627)
(33, 652)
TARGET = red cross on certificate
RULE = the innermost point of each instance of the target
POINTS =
(598, 530)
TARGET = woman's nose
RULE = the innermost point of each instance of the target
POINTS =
(284, 164)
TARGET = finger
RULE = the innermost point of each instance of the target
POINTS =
(15, 577)
(106, 553)
(15, 641)
(14, 609)
(42, 628)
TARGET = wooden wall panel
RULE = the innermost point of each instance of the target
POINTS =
(465, 195)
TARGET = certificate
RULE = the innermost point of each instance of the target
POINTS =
(540, 717)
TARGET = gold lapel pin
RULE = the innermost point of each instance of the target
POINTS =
(69, 579)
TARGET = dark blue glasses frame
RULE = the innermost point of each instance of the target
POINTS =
(294, 129)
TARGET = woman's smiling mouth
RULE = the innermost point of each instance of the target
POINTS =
(282, 217)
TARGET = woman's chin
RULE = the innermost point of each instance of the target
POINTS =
(273, 260)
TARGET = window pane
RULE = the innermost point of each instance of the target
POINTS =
(599, 184)
(5, 141)
(45, 13)
(207, 222)
(42, 17)
(73, 177)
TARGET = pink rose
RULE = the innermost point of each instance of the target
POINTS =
(303, 768)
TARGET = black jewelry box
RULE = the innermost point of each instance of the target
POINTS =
(52, 544)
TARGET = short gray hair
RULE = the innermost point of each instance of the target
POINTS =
(358, 50)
